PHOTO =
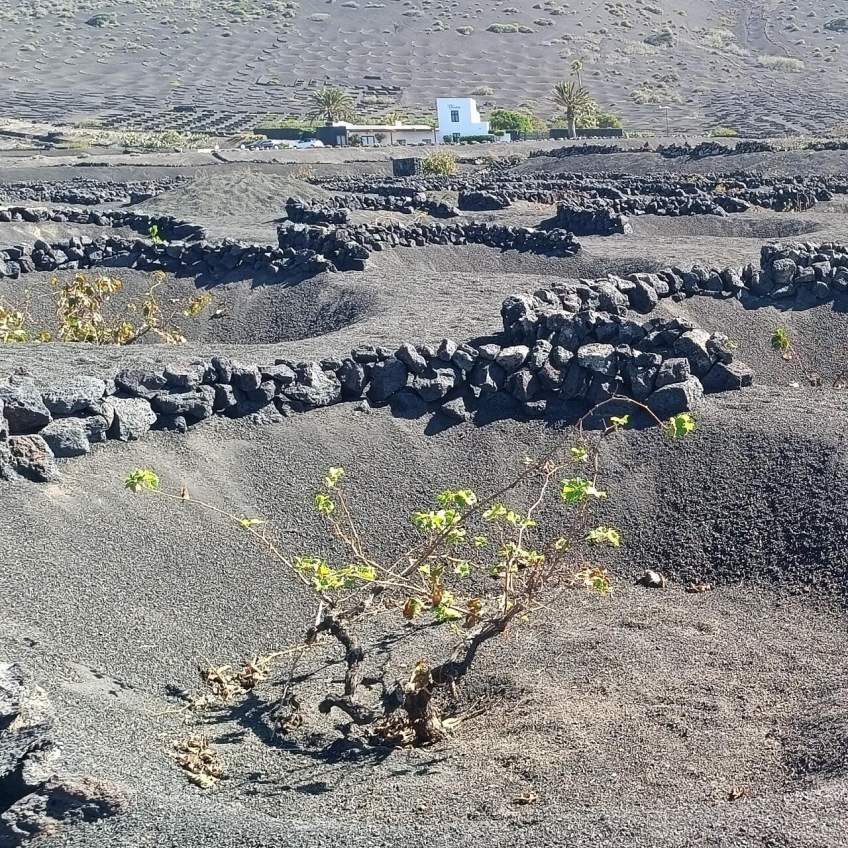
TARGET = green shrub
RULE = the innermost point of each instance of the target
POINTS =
(440, 163)
(609, 120)
(505, 120)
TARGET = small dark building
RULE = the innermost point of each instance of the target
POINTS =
(406, 167)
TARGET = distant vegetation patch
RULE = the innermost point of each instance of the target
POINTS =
(109, 19)
(508, 28)
(781, 63)
(661, 38)
(256, 9)
(655, 92)
(723, 40)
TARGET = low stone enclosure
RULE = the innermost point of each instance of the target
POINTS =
(320, 237)
(167, 227)
(701, 150)
(562, 350)
(302, 250)
(87, 192)
(622, 194)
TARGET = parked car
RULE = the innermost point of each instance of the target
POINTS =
(305, 145)
(267, 144)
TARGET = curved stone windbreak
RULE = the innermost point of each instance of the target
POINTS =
(659, 194)
(195, 258)
(820, 269)
(470, 200)
(570, 343)
(88, 192)
(348, 248)
(300, 212)
(168, 228)
(302, 250)
(714, 148)
(327, 210)
(600, 220)
(670, 151)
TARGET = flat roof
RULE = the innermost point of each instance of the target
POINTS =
(386, 127)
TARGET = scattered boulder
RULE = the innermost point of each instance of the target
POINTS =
(35, 800)
(486, 377)
(185, 377)
(196, 404)
(24, 409)
(693, 345)
(455, 410)
(676, 398)
(643, 297)
(387, 377)
(512, 358)
(524, 385)
(725, 377)
(313, 387)
(67, 437)
(74, 395)
(140, 381)
(597, 358)
(674, 370)
(29, 457)
(133, 417)
(59, 803)
(408, 404)
(437, 381)
(410, 357)
(353, 378)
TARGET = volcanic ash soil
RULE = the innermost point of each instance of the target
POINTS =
(655, 718)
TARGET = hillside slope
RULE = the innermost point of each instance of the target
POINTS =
(763, 66)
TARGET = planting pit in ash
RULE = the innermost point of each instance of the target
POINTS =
(267, 314)
(760, 225)
(743, 504)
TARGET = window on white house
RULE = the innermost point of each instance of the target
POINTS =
(454, 116)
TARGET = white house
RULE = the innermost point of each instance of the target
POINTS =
(458, 117)
(343, 134)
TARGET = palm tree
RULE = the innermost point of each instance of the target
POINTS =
(577, 69)
(571, 96)
(393, 118)
(332, 104)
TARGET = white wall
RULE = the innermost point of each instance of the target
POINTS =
(396, 136)
(469, 122)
